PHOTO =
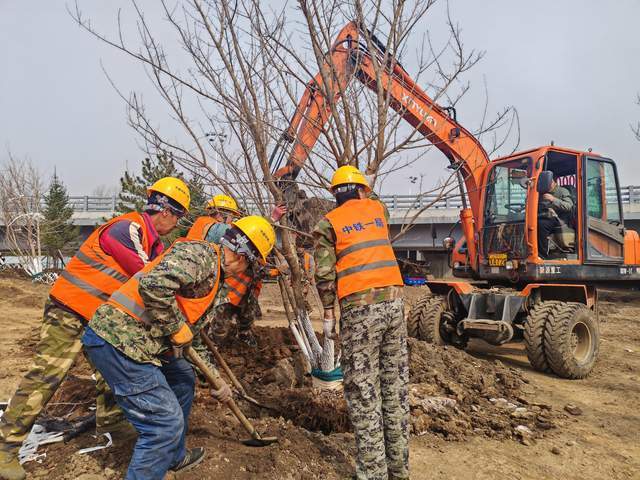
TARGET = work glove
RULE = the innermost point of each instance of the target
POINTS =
(180, 340)
(329, 324)
(223, 394)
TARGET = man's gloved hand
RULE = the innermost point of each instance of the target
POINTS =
(329, 324)
(223, 394)
(278, 211)
(181, 340)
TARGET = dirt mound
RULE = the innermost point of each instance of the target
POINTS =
(456, 395)
(452, 394)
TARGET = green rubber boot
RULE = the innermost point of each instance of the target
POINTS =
(10, 468)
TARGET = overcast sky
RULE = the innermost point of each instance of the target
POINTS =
(571, 68)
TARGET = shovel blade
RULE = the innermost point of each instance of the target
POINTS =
(260, 442)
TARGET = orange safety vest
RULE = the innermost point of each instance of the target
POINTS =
(91, 276)
(238, 286)
(308, 262)
(200, 228)
(128, 299)
(364, 255)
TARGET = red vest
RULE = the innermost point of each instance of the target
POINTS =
(364, 255)
(91, 276)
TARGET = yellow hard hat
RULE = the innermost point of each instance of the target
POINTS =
(224, 202)
(260, 231)
(174, 188)
(349, 175)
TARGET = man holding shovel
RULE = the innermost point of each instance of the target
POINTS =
(109, 257)
(355, 262)
(136, 339)
(241, 291)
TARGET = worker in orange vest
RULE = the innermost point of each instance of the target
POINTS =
(221, 210)
(242, 291)
(355, 262)
(136, 339)
(104, 262)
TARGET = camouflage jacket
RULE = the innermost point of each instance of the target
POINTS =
(325, 273)
(188, 269)
(562, 203)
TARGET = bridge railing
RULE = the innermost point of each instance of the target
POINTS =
(89, 203)
(629, 194)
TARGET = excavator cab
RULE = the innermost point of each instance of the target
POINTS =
(552, 206)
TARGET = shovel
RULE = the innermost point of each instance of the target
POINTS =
(256, 439)
(234, 380)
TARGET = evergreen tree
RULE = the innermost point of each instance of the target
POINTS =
(133, 188)
(58, 232)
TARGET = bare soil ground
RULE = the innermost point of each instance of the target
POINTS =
(476, 415)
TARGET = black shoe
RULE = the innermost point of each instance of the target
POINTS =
(193, 457)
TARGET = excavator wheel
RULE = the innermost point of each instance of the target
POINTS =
(426, 321)
(571, 340)
(534, 327)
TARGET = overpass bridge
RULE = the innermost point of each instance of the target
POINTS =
(432, 217)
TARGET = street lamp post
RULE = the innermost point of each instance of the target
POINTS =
(221, 138)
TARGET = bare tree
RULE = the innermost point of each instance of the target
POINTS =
(249, 63)
(21, 191)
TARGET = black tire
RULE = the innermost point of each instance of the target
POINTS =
(572, 340)
(413, 319)
(534, 328)
(425, 319)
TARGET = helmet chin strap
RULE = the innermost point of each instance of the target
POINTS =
(240, 244)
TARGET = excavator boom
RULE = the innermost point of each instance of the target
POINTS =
(351, 58)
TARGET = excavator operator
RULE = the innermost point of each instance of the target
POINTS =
(555, 209)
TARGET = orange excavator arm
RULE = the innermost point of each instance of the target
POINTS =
(349, 59)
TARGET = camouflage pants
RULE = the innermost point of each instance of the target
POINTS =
(55, 353)
(244, 317)
(376, 373)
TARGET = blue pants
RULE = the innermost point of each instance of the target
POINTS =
(156, 400)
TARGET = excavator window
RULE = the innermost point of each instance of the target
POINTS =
(605, 234)
(507, 192)
(505, 209)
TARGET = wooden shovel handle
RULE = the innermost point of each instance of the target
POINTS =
(216, 382)
(212, 348)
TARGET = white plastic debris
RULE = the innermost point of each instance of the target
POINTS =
(37, 436)
(99, 447)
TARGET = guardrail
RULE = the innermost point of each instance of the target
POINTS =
(629, 194)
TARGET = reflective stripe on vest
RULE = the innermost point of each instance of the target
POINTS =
(127, 298)
(364, 256)
(200, 228)
(92, 275)
(238, 286)
(85, 286)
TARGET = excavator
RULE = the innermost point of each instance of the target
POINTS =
(523, 277)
